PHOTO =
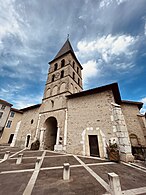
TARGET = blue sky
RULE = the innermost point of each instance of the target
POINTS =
(108, 37)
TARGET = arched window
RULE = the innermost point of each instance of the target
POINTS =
(62, 74)
(62, 63)
(52, 102)
(78, 70)
(54, 90)
(73, 64)
(62, 87)
(73, 76)
(72, 88)
(53, 77)
(78, 81)
(55, 66)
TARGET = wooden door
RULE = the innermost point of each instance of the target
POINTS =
(93, 143)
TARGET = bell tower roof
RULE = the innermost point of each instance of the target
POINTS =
(66, 48)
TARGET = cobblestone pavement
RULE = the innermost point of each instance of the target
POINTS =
(89, 175)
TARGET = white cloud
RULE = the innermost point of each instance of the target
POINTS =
(143, 110)
(106, 3)
(108, 46)
(107, 54)
(90, 70)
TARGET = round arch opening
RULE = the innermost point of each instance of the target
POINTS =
(51, 133)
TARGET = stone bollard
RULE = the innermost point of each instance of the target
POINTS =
(114, 183)
(66, 171)
(6, 156)
(37, 163)
(19, 159)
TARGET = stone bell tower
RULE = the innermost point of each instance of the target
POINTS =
(64, 78)
(64, 73)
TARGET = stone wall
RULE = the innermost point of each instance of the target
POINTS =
(89, 115)
(53, 103)
(28, 126)
(134, 122)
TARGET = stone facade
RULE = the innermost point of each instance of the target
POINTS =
(28, 126)
(135, 123)
(89, 115)
(76, 121)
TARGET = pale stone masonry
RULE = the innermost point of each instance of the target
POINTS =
(4, 113)
(80, 122)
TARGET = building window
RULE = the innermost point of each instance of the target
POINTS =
(62, 74)
(52, 102)
(73, 64)
(53, 77)
(32, 121)
(1, 113)
(73, 76)
(55, 66)
(62, 63)
(9, 124)
(12, 114)
(78, 70)
(3, 107)
(78, 81)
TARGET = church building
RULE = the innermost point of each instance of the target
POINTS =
(75, 121)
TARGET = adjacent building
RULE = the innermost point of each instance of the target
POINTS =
(10, 130)
(4, 112)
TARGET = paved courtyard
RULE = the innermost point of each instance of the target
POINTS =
(89, 176)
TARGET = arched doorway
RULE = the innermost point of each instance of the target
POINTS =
(51, 133)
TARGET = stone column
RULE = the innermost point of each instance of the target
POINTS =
(15, 134)
(37, 129)
(42, 130)
(57, 137)
(58, 147)
(65, 131)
